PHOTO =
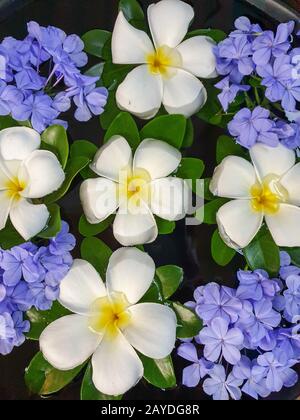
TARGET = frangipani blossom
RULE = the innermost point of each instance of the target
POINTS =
(268, 189)
(168, 67)
(137, 187)
(108, 323)
(26, 174)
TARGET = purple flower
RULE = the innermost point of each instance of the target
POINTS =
(245, 27)
(256, 285)
(292, 296)
(293, 140)
(74, 46)
(219, 339)
(217, 303)
(221, 387)
(252, 127)
(20, 327)
(269, 44)
(229, 92)
(7, 333)
(198, 370)
(291, 94)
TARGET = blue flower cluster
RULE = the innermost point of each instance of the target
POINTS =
(40, 77)
(271, 61)
(30, 277)
(253, 331)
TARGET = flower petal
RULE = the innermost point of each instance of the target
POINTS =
(68, 342)
(116, 366)
(135, 228)
(169, 21)
(140, 93)
(131, 272)
(170, 198)
(272, 160)
(4, 176)
(233, 178)
(99, 199)
(238, 223)
(129, 45)
(198, 56)
(42, 174)
(17, 143)
(5, 205)
(81, 287)
(28, 219)
(113, 157)
(152, 330)
(291, 182)
(157, 157)
(183, 94)
(285, 226)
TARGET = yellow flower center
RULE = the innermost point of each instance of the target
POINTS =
(164, 61)
(134, 187)
(267, 196)
(14, 188)
(110, 314)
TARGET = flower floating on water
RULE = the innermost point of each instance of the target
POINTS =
(137, 187)
(267, 190)
(168, 70)
(108, 323)
(26, 173)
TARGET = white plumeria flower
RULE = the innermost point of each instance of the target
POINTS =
(168, 69)
(269, 190)
(108, 324)
(26, 173)
(135, 188)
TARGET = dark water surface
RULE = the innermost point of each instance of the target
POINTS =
(187, 247)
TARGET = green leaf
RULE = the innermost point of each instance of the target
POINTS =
(84, 148)
(43, 379)
(159, 373)
(124, 125)
(220, 252)
(168, 128)
(88, 391)
(207, 213)
(96, 71)
(189, 134)
(165, 227)
(294, 253)
(54, 225)
(9, 237)
(114, 74)
(39, 320)
(216, 34)
(55, 139)
(94, 41)
(7, 122)
(132, 10)
(263, 253)
(191, 168)
(74, 166)
(212, 110)
(226, 146)
(154, 293)
(87, 229)
(97, 253)
(188, 322)
(170, 277)
(110, 112)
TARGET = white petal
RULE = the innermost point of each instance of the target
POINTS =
(140, 93)
(169, 198)
(183, 94)
(68, 342)
(129, 45)
(113, 157)
(131, 272)
(198, 56)
(17, 143)
(285, 226)
(238, 223)
(5, 205)
(169, 21)
(116, 366)
(152, 330)
(135, 228)
(233, 178)
(28, 219)
(4, 178)
(81, 287)
(42, 174)
(291, 182)
(272, 160)
(157, 157)
(99, 199)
